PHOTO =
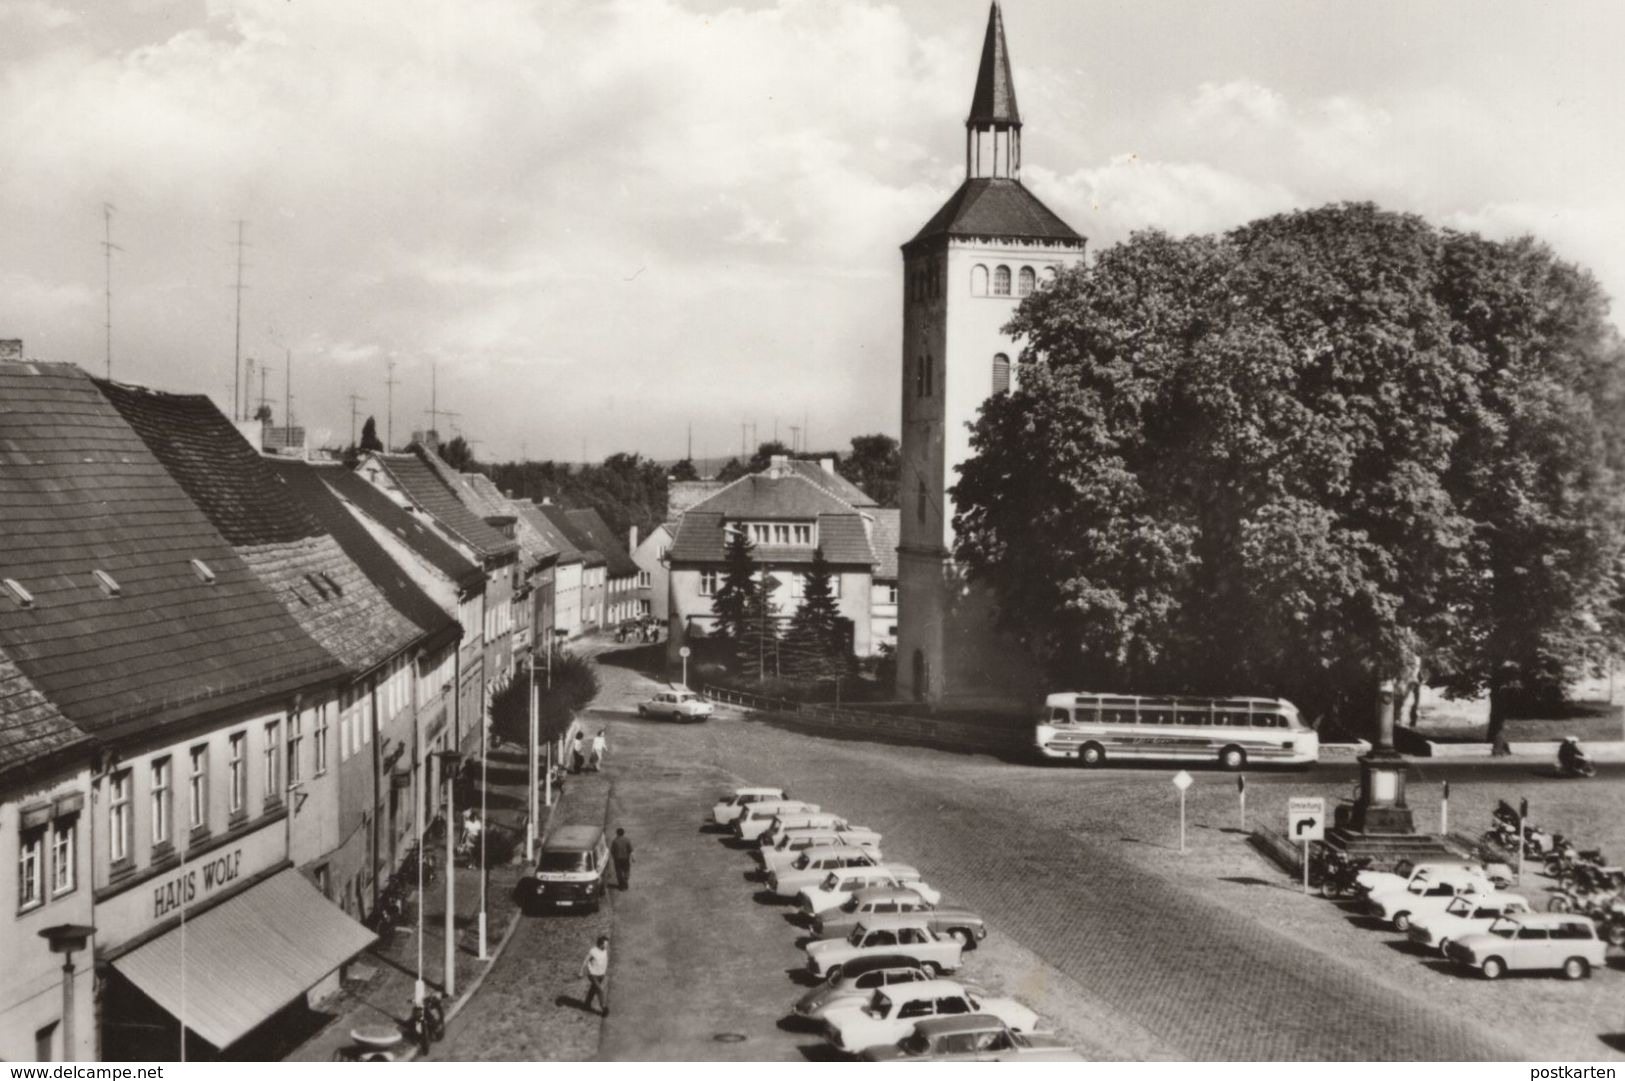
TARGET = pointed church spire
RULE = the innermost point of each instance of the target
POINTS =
(995, 99)
(993, 129)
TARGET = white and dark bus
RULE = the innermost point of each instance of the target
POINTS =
(1096, 728)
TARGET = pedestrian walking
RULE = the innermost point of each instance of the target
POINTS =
(599, 746)
(596, 969)
(620, 853)
(578, 756)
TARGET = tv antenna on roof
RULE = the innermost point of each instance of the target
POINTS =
(108, 248)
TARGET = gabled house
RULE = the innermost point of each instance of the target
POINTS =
(132, 616)
(788, 512)
(651, 596)
(620, 572)
(594, 566)
(569, 566)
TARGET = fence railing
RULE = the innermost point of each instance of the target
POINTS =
(927, 731)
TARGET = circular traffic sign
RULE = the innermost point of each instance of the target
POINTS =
(684, 652)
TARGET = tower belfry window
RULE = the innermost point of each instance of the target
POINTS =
(1001, 281)
(1025, 281)
(1001, 373)
(978, 280)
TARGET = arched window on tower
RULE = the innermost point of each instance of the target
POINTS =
(978, 280)
(1025, 281)
(1001, 373)
(1050, 272)
(1001, 281)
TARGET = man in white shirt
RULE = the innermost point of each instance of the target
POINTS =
(599, 746)
(596, 969)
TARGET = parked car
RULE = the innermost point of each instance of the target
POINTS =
(814, 863)
(676, 705)
(959, 923)
(833, 891)
(977, 1037)
(1532, 942)
(908, 935)
(857, 980)
(1469, 914)
(804, 820)
(1431, 893)
(731, 807)
(891, 1013)
(759, 816)
(1405, 871)
(791, 845)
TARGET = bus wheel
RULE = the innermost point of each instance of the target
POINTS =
(1233, 758)
(1091, 754)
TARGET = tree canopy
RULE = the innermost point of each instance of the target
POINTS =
(874, 465)
(626, 489)
(815, 645)
(369, 436)
(1304, 457)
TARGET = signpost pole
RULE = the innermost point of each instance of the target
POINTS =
(1181, 820)
(1523, 813)
(1241, 794)
(1306, 867)
(1444, 810)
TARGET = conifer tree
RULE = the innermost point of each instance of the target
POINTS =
(814, 647)
(757, 647)
(732, 599)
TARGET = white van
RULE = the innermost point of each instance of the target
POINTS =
(573, 867)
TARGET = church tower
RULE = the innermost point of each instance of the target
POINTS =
(990, 245)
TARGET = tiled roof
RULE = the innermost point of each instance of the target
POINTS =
(80, 491)
(616, 558)
(275, 533)
(845, 541)
(884, 533)
(555, 537)
(425, 489)
(308, 484)
(579, 540)
(996, 207)
(424, 541)
(832, 482)
(770, 496)
(535, 547)
(32, 730)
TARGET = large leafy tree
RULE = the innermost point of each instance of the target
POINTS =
(1276, 462)
(874, 465)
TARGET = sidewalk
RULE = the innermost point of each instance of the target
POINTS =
(380, 992)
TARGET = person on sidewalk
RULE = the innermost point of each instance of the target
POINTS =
(599, 746)
(620, 853)
(578, 755)
(596, 969)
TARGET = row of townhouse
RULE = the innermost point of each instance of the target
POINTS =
(223, 678)
(788, 511)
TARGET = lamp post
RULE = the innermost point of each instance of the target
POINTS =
(485, 758)
(449, 761)
(530, 762)
(67, 939)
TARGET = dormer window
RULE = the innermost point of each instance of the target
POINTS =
(781, 534)
(18, 593)
(109, 585)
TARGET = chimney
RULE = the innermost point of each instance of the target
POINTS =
(632, 539)
(778, 464)
(828, 464)
(11, 350)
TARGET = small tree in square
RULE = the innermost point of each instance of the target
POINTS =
(732, 599)
(757, 647)
(815, 645)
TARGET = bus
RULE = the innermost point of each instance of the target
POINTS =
(1096, 728)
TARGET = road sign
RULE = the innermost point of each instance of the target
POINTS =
(1305, 818)
(1182, 780)
(684, 652)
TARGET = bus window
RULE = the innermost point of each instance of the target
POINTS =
(1059, 715)
(1156, 716)
(1117, 716)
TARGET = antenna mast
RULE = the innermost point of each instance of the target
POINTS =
(354, 398)
(239, 392)
(287, 390)
(389, 389)
(108, 248)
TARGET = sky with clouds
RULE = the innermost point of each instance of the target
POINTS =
(600, 222)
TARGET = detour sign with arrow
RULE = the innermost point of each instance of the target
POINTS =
(1305, 819)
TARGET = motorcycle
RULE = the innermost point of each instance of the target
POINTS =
(427, 1025)
(1335, 872)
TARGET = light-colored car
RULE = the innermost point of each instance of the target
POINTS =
(731, 807)
(676, 704)
(1469, 914)
(910, 936)
(791, 845)
(833, 891)
(758, 817)
(1405, 871)
(1531, 943)
(1425, 894)
(891, 1013)
(858, 980)
(866, 904)
(977, 1037)
(805, 820)
(813, 864)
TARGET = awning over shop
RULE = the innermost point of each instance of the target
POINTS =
(247, 957)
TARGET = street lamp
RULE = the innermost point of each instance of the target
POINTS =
(449, 761)
(67, 939)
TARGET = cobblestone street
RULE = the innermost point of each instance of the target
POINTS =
(1097, 921)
